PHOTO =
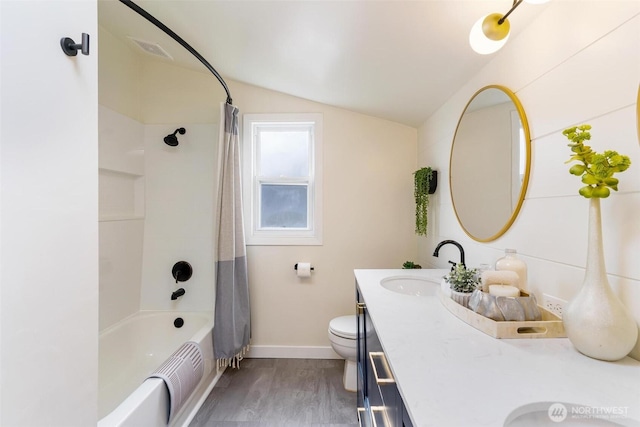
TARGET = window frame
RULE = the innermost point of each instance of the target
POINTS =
(255, 235)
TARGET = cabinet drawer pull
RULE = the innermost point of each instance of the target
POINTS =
(379, 356)
(380, 413)
(360, 306)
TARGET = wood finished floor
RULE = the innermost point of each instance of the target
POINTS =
(280, 393)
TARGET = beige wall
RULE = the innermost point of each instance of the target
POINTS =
(368, 203)
(368, 223)
(367, 208)
(587, 73)
(119, 69)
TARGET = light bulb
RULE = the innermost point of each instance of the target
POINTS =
(486, 27)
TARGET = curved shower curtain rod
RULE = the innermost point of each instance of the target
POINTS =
(179, 39)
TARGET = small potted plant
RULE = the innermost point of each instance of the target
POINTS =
(462, 281)
(409, 265)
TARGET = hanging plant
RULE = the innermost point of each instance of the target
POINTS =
(425, 180)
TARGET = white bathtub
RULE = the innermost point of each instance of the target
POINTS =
(131, 350)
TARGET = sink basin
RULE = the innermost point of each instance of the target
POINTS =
(543, 414)
(410, 285)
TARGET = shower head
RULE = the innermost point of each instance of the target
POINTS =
(172, 139)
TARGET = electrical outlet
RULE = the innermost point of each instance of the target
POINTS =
(553, 304)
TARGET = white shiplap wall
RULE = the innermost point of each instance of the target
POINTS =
(579, 62)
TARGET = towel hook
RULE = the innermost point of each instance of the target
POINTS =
(70, 48)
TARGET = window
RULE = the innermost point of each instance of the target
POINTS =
(282, 178)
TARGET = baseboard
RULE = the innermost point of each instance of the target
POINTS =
(290, 352)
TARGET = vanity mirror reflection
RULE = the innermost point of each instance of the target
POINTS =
(490, 163)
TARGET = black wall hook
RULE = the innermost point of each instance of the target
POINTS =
(70, 48)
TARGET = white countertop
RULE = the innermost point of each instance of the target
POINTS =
(451, 374)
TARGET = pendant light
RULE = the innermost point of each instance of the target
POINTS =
(491, 31)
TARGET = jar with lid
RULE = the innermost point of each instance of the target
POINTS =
(510, 261)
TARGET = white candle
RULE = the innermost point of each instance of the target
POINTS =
(504, 291)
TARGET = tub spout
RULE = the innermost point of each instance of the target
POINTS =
(177, 294)
(456, 244)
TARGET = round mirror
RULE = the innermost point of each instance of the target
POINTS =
(638, 113)
(490, 162)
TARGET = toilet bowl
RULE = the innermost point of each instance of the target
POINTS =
(342, 335)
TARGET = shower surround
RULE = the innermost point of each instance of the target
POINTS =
(156, 208)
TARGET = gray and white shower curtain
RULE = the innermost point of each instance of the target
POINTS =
(232, 328)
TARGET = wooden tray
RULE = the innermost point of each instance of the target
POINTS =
(550, 326)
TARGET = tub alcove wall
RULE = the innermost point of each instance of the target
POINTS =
(156, 207)
(156, 201)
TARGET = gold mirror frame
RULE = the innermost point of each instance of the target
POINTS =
(527, 166)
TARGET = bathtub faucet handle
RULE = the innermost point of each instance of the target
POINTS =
(177, 294)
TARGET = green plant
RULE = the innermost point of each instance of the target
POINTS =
(463, 279)
(422, 181)
(595, 169)
(410, 265)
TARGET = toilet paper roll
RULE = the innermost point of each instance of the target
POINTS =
(304, 269)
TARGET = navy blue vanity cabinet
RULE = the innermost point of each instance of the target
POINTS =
(379, 401)
(364, 411)
(406, 421)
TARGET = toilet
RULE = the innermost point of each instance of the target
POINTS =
(342, 334)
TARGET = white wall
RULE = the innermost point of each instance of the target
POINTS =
(121, 179)
(49, 205)
(121, 214)
(577, 63)
(178, 226)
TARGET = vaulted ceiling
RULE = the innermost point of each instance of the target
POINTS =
(397, 60)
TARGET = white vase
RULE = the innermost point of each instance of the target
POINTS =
(595, 320)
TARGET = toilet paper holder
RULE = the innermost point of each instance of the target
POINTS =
(295, 267)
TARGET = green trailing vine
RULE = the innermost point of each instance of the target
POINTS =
(421, 193)
(595, 169)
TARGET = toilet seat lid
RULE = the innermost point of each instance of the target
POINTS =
(344, 326)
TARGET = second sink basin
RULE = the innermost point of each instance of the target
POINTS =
(410, 285)
(541, 414)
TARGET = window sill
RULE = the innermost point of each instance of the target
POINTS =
(283, 241)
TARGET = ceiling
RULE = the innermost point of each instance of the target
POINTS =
(397, 60)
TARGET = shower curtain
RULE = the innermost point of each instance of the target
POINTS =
(232, 328)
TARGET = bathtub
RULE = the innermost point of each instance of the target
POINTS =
(131, 350)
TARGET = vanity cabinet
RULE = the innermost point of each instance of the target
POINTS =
(379, 401)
